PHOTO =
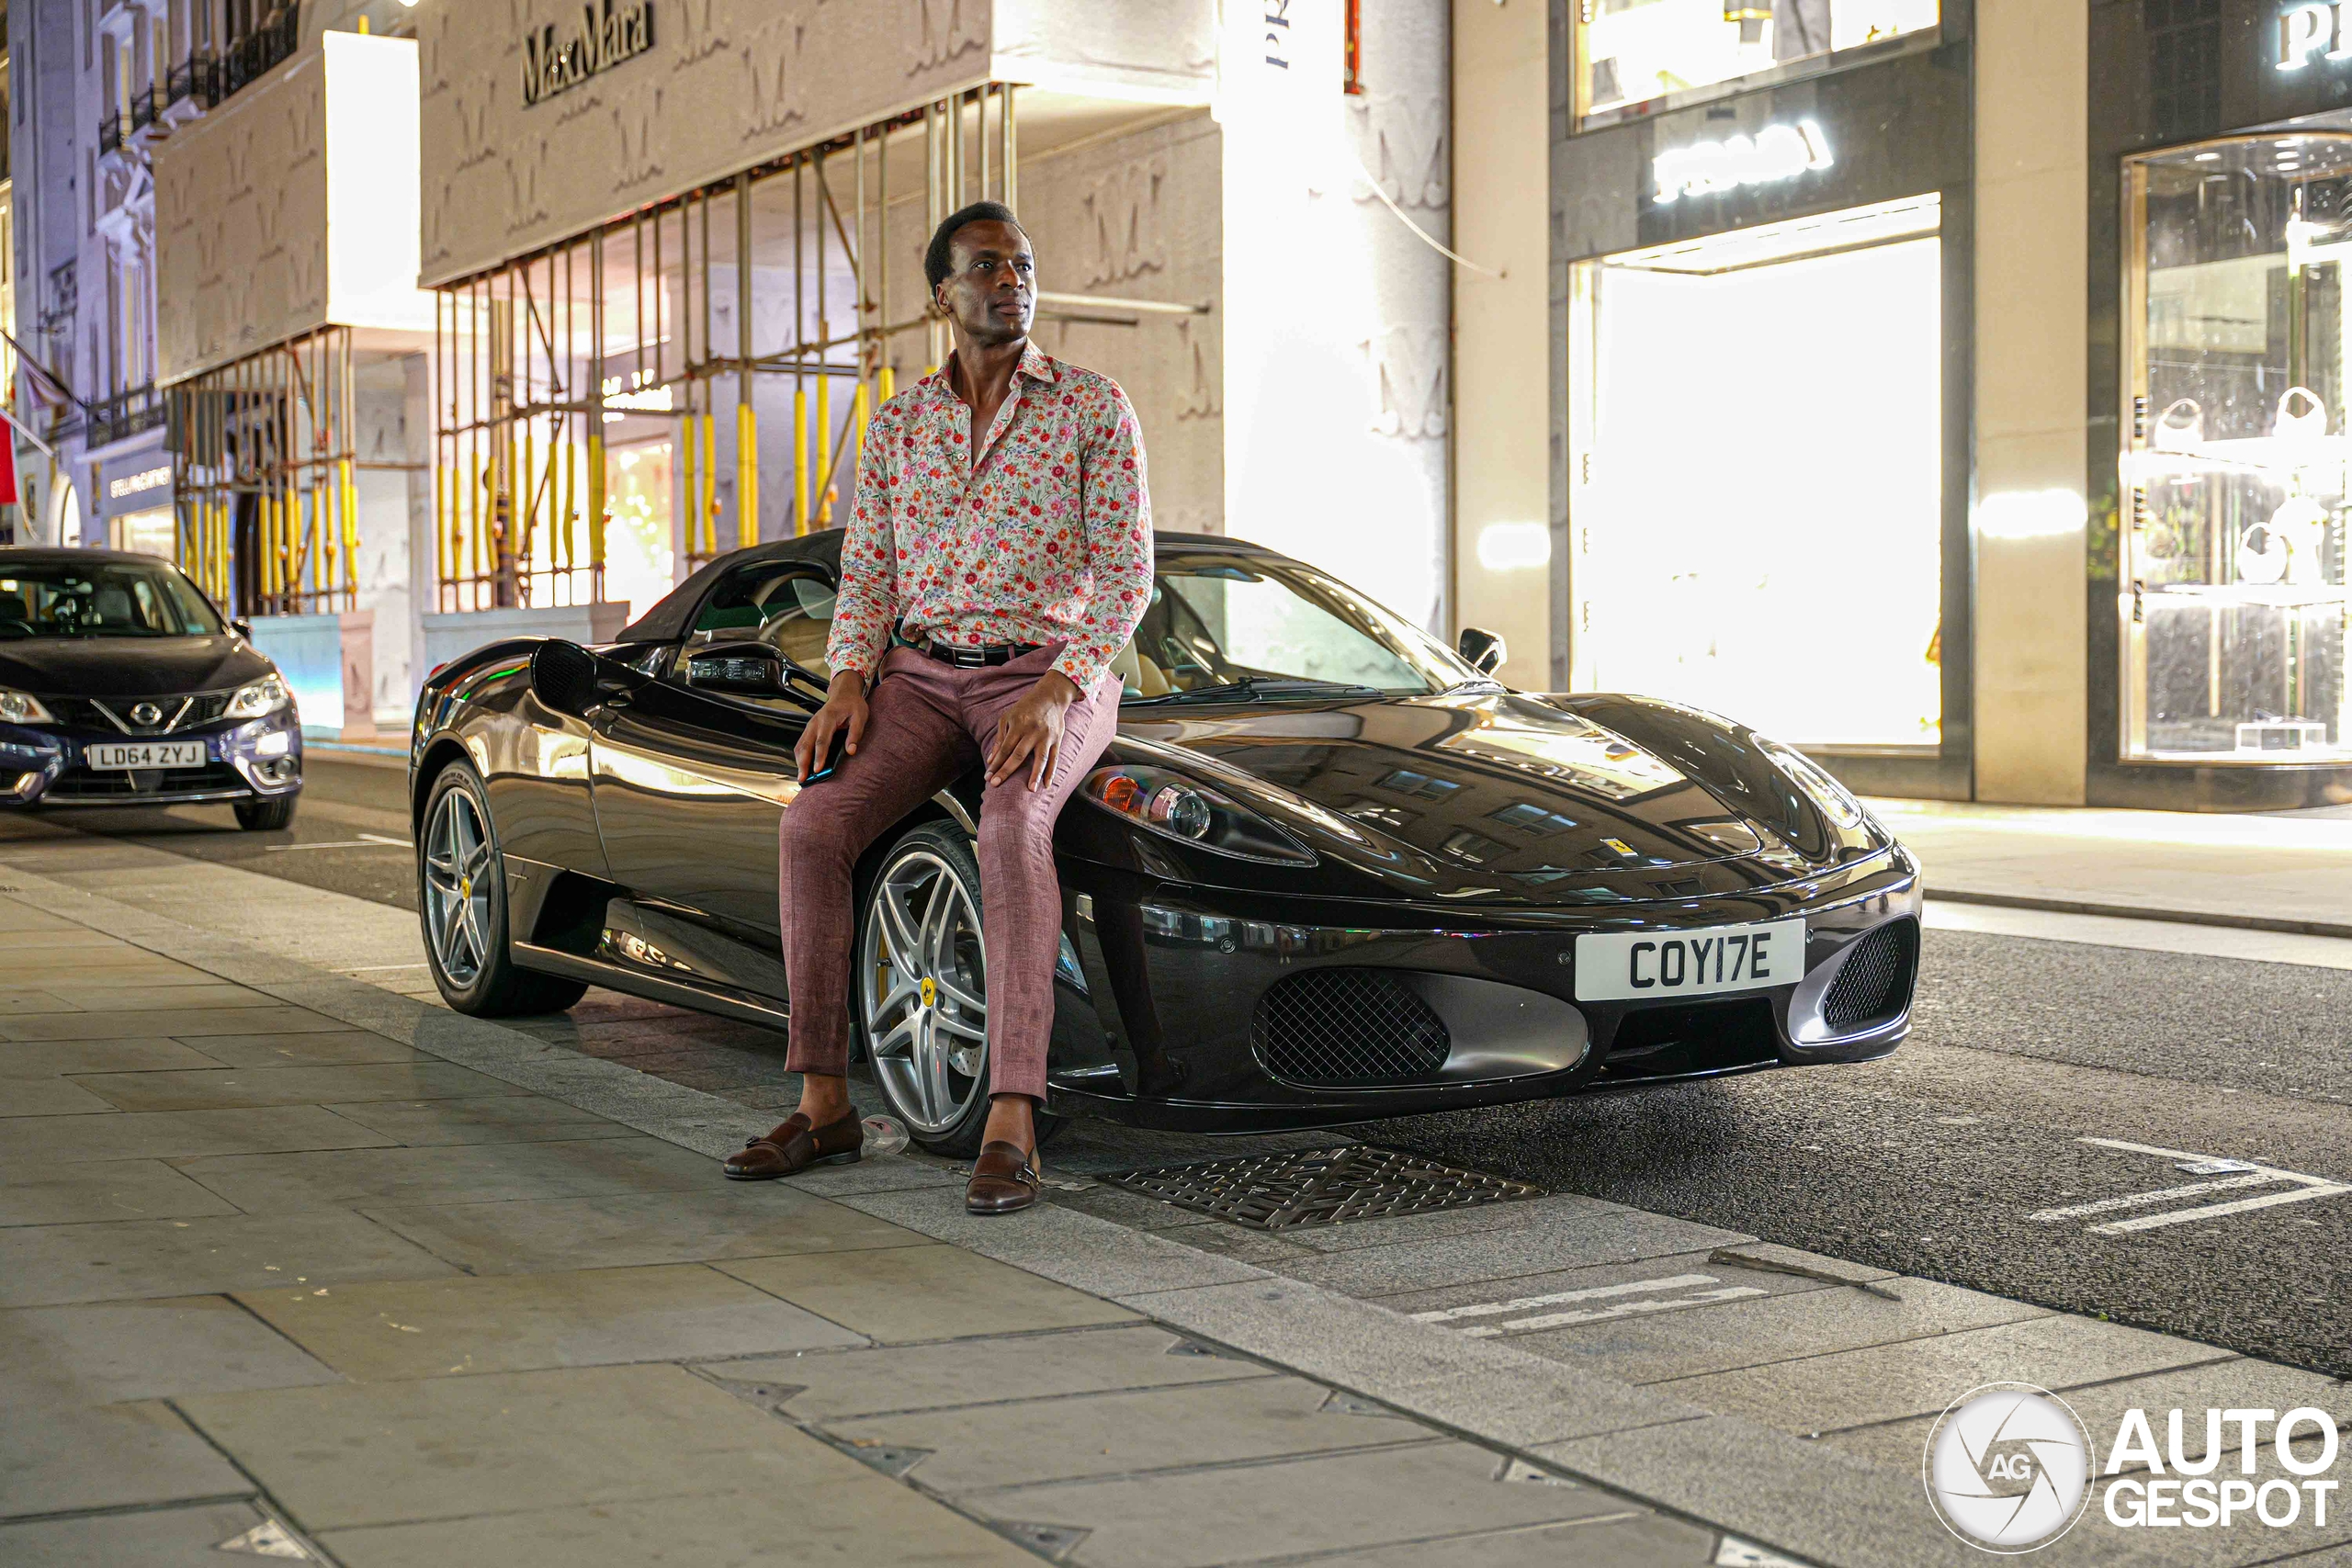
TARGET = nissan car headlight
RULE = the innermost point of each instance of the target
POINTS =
(23, 707)
(1836, 801)
(259, 699)
(1166, 803)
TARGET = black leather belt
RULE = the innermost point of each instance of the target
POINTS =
(973, 656)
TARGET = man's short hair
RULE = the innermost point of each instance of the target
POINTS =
(937, 260)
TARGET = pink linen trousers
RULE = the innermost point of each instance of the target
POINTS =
(1043, 537)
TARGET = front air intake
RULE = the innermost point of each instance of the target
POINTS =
(1348, 1029)
(1874, 984)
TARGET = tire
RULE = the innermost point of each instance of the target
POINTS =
(265, 816)
(900, 1036)
(462, 907)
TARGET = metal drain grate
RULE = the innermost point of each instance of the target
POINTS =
(1320, 1187)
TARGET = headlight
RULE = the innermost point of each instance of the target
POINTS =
(264, 696)
(22, 707)
(1837, 802)
(1174, 806)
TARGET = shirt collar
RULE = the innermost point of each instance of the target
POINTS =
(1035, 364)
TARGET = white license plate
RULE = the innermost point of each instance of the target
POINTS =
(1627, 966)
(144, 754)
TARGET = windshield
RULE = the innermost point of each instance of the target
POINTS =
(1215, 621)
(101, 599)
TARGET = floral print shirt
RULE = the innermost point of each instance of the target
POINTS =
(1045, 536)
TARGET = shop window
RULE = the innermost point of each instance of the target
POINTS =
(2234, 502)
(1757, 497)
(1638, 56)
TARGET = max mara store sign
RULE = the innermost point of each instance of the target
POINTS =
(553, 61)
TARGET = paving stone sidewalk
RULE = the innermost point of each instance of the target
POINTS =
(280, 1250)
(275, 1284)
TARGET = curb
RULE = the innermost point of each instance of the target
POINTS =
(2140, 912)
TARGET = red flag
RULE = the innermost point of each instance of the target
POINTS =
(8, 468)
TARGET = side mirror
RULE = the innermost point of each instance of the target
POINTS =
(1484, 649)
(242, 628)
(741, 669)
(568, 678)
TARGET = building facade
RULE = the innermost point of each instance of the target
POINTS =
(1948, 389)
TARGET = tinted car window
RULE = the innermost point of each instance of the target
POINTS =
(786, 606)
(101, 599)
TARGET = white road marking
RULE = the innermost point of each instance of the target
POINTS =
(2141, 1199)
(2307, 1188)
(1628, 1299)
(1558, 1298)
(1622, 1309)
(370, 842)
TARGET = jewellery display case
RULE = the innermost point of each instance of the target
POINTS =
(2232, 512)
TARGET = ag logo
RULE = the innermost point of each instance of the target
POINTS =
(2007, 1467)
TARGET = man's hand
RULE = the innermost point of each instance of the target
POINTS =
(1031, 729)
(844, 709)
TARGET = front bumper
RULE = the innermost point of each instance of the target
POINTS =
(245, 760)
(1169, 1027)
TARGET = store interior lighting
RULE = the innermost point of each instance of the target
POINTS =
(1770, 243)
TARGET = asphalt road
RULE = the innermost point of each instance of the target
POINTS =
(1945, 1161)
(350, 833)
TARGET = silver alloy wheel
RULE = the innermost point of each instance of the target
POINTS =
(458, 880)
(922, 992)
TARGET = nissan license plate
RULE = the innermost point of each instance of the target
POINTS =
(144, 754)
(1628, 966)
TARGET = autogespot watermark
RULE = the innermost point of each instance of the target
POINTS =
(2008, 1466)
(2008, 1469)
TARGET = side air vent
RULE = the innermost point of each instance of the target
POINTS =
(1348, 1029)
(1875, 983)
(564, 677)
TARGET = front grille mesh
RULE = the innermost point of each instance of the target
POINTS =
(1876, 980)
(109, 784)
(1347, 1029)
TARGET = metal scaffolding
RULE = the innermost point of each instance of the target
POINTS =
(264, 453)
(637, 333)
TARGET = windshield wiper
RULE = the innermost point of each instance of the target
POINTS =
(1259, 688)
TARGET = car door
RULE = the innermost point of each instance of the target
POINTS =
(689, 784)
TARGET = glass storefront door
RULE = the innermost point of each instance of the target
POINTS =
(1757, 502)
(2234, 491)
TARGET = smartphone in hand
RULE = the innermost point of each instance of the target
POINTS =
(834, 753)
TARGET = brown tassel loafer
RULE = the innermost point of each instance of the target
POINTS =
(1004, 1180)
(794, 1146)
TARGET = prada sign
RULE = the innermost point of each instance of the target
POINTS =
(604, 39)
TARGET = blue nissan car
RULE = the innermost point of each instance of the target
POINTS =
(122, 684)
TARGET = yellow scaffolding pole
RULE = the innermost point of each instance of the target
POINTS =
(689, 487)
(350, 531)
(747, 476)
(825, 448)
(857, 439)
(799, 460)
(569, 542)
(709, 486)
(596, 500)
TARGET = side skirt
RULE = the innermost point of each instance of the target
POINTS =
(613, 976)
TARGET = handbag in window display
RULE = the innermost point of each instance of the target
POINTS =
(2232, 548)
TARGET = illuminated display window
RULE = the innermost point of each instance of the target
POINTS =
(2233, 502)
(1636, 56)
(1757, 492)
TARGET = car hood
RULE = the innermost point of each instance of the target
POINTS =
(1488, 795)
(128, 666)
